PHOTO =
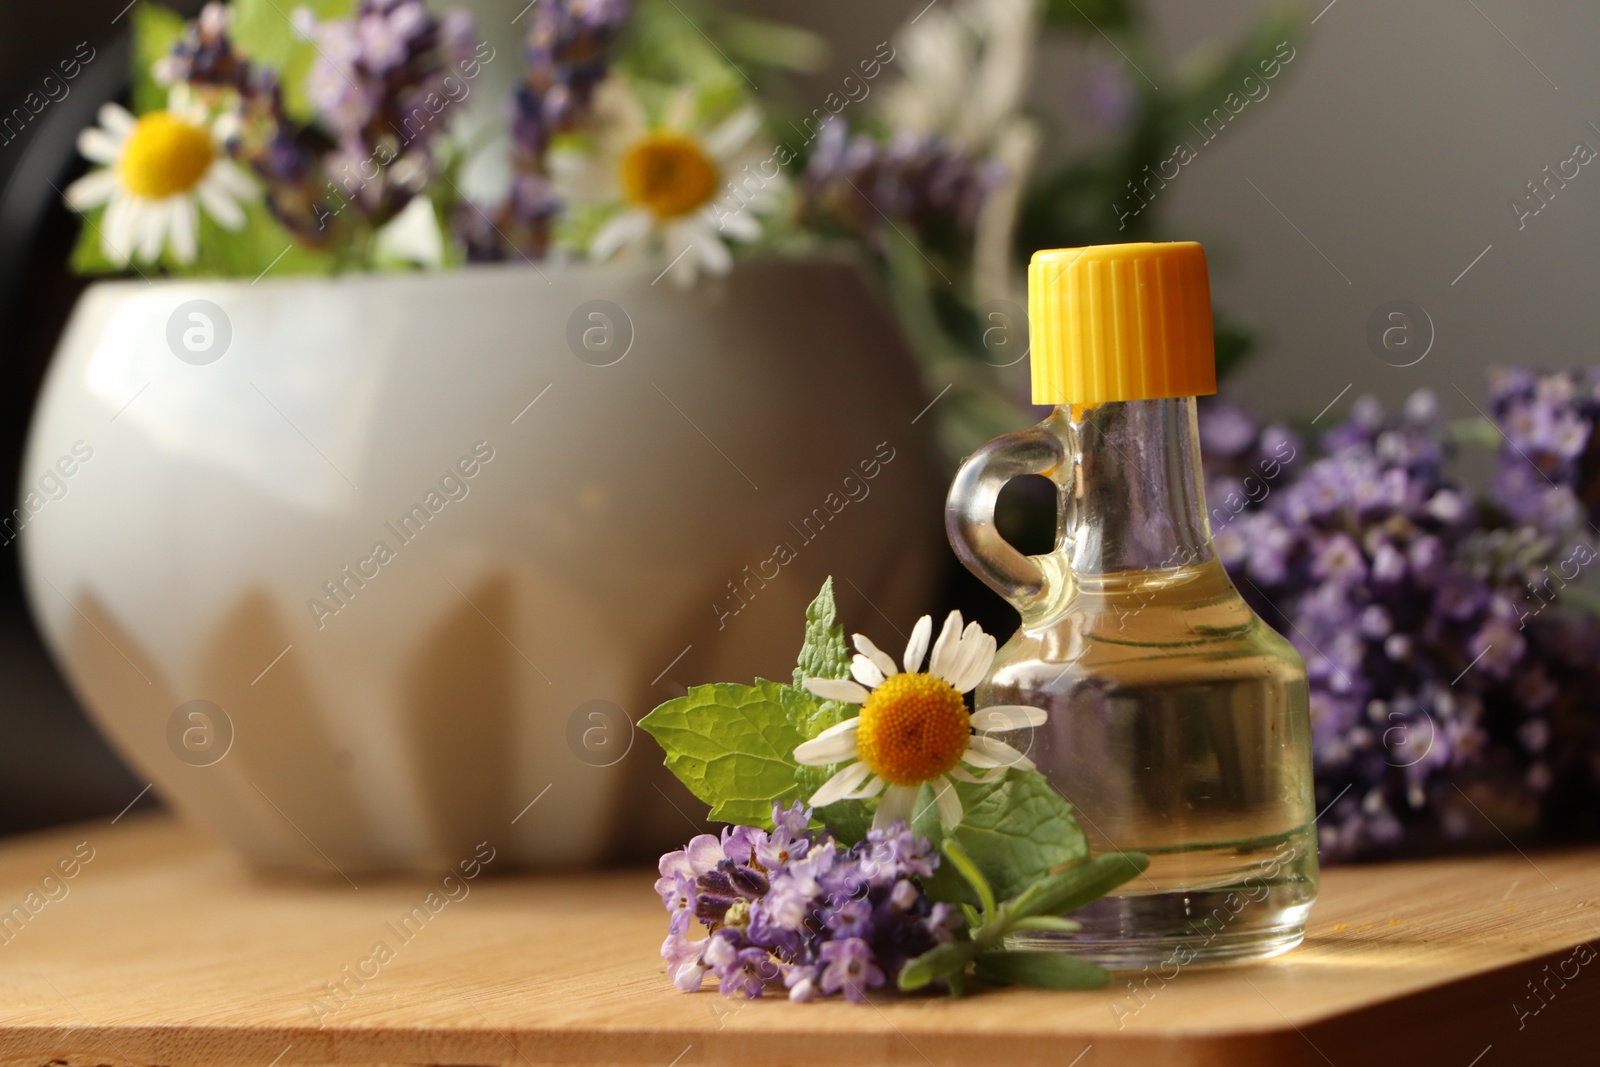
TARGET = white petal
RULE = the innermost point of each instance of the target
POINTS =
(948, 802)
(834, 745)
(183, 102)
(685, 269)
(837, 689)
(116, 229)
(91, 190)
(185, 223)
(841, 785)
(150, 230)
(917, 647)
(232, 178)
(733, 134)
(220, 204)
(945, 648)
(978, 661)
(714, 255)
(849, 725)
(896, 805)
(866, 672)
(967, 647)
(117, 120)
(412, 236)
(622, 229)
(961, 774)
(738, 224)
(873, 787)
(878, 656)
(1000, 717)
(225, 128)
(985, 751)
(98, 146)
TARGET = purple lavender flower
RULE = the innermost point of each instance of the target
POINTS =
(1441, 654)
(745, 969)
(568, 55)
(849, 967)
(381, 84)
(785, 903)
(685, 963)
(856, 182)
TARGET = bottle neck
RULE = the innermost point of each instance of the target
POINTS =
(1136, 498)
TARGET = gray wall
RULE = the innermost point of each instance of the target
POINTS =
(1393, 143)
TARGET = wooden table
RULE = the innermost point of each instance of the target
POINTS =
(162, 949)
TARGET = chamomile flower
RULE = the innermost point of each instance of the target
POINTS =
(159, 169)
(914, 726)
(679, 190)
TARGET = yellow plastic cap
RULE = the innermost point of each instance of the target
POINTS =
(1120, 322)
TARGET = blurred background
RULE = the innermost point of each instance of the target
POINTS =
(1382, 166)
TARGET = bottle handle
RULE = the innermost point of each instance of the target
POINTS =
(969, 511)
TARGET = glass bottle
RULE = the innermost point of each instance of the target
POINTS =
(1178, 722)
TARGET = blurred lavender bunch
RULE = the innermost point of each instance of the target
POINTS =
(379, 86)
(381, 83)
(283, 153)
(568, 55)
(800, 907)
(862, 185)
(1549, 468)
(1445, 657)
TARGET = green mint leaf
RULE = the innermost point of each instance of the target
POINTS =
(824, 654)
(1016, 830)
(732, 745)
(942, 962)
(1077, 886)
(1047, 970)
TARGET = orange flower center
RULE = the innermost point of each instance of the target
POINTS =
(914, 727)
(164, 155)
(668, 173)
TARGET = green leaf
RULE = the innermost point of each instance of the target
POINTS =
(732, 745)
(947, 959)
(1072, 889)
(263, 34)
(261, 243)
(1016, 830)
(1089, 15)
(88, 257)
(824, 654)
(1052, 923)
(1047, 970)
(155, 30)
(848, 819)
(969, 870)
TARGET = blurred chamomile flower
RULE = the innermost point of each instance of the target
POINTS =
(158, 171)
(678, 190)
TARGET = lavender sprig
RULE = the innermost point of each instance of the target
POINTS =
(790, 905)
(381, 83)
(568, 54)
(856, 182)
